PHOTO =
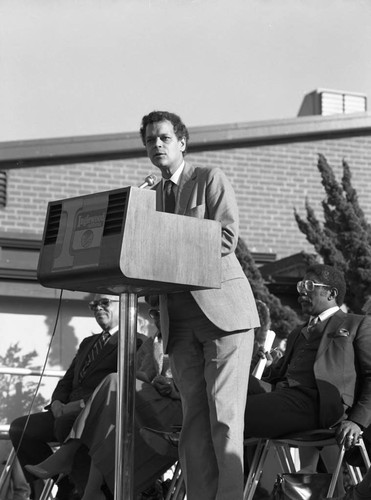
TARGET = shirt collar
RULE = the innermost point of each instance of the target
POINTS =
(113, 330)
(176, 175)
(329, 312)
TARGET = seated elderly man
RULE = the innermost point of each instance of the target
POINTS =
(324, 378)
(157, 404)
(94, 360)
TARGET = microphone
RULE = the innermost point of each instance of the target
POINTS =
(148, 181)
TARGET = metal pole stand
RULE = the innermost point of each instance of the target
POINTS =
(126, 373)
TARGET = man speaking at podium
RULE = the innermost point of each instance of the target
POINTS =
(207, 333)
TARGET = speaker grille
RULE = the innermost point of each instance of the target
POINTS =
(52, 228)
(115, 213)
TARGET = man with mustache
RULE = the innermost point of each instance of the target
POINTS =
(324, 378)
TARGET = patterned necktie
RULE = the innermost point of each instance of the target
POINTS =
(93, 353)
(312, 322)
(169, 197)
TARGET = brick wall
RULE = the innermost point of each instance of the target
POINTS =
(269, 180)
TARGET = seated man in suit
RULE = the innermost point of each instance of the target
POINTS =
(95, 358)
(157, 404)
(324, 378)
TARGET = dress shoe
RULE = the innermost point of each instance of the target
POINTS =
(164, 443)
(42, 473)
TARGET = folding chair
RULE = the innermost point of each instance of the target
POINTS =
(6, 472)
(177, 487)
(47, 493)
(316, 438)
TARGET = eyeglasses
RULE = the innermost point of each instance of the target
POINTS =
(308, 286)
(105, 303)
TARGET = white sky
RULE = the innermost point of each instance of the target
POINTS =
(81, 67)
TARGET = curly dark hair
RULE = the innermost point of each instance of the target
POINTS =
(180, 129)
(329, 275)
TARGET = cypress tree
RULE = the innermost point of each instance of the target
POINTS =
(343, 239)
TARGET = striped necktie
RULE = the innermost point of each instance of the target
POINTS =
(312, 322)
(169, 197)
(93, 353)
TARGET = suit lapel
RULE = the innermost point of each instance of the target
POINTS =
(185, 188)
(291, 343)
(159, 198)
(86, 351)
(110, 346)
(330, 326)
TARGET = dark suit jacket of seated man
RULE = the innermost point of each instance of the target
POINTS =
(69, 396)
(324, 378)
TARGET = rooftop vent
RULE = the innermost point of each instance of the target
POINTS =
(332, 102)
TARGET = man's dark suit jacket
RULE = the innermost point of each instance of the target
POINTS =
(69, 388)
(342, 368)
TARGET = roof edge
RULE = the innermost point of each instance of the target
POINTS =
(93, 148)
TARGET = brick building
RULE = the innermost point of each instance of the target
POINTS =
(272, 166)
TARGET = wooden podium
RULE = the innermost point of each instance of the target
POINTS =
(115, 242)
